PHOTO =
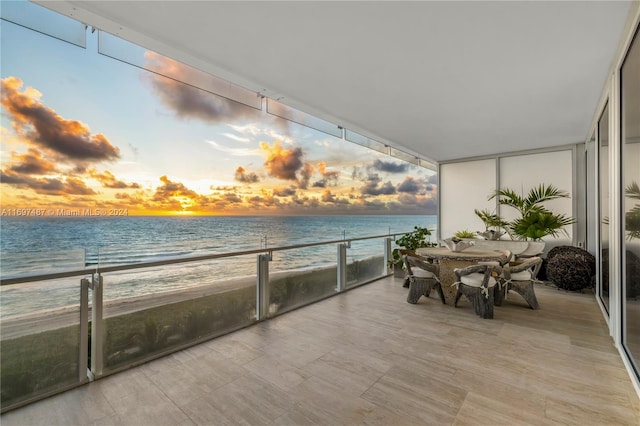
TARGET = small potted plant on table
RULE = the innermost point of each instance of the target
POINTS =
(409, 243)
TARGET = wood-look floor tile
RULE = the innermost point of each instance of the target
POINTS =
(329, 403)
(181, 385)
(250, 400)
(308, 414)
(281, 374)
(137, 400)
(213, 369)
(519, 398)
(203, 412)
(296, 353)
(436, 367)
(402, 401)
(487, 410)
(605, 413)
(234, 350)
(114, 420)
(369, 357)
(353, 377)
(574, 390)
(85, 405)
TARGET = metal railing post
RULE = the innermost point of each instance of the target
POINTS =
(341, 283)
(83, 359)
(387, 252)
(262, 287)
(97, 326)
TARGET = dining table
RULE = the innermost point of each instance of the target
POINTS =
(450, 260)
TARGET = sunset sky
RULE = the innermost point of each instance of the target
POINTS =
(81, 130)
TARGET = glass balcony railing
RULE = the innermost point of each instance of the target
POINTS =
(364, 262)
(42, 339)
(64, 328)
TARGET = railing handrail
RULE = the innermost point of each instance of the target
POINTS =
(65, 274)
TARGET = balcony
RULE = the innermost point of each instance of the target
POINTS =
(367, 356)
(498, 117)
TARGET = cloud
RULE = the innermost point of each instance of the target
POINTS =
(240, 152)
(236, 137)
(284, 192)
(32, 163)
(41, 126)
(241, 175)
(374, 186)
(136, 199)
(188, 101)
(223, 188)
(282, 163)
(264, 200)
(425, 205)
(410, 185)
(170, 189)
(330, 177)
(47, 186)
(108, 180)
(390, 167)
(328, 197)
(134, 150)
(305, 175)
(372, 205)
(269, 127)
(232, 198)
(358, 174)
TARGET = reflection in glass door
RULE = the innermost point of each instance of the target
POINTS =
(603, 178)
(630, 132)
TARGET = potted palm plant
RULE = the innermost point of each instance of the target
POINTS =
(493, 224)
(535, 221)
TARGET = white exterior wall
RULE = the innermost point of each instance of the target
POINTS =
(465, 186)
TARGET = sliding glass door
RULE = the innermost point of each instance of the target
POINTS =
(630, 138)
(603, 178)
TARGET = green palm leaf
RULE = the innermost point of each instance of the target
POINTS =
(632, 217)
(535, 220)
(544, 193)
(632, 191)
(533, 201)
(509, 197)
(490, 219)
(536, 225)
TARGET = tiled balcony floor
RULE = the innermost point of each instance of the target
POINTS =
(368, 357)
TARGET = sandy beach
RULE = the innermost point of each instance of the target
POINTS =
(52, 319)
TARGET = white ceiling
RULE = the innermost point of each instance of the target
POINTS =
(444, 80)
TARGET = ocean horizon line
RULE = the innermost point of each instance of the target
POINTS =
(194, 215)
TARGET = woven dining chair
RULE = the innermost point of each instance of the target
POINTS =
(423, 277)
(477, 283)
(519, 277)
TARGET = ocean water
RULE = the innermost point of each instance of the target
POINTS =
(43, 245)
